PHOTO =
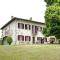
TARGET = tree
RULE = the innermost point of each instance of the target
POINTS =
(52, 18)
(52, 2)
(9, 40)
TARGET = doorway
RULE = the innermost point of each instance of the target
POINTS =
(33, 40)
(42, 41)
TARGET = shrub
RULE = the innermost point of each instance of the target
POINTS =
(9, 40)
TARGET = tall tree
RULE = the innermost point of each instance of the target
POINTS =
(51, 2)
(52, 18)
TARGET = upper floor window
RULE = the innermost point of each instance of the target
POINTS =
(27, 26)
(34, 29)
(40, 28)
(21, 25)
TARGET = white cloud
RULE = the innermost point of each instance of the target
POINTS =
(22, 9)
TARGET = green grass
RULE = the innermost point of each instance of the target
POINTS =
(30, 52)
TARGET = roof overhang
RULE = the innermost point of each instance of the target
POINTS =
(15, 18)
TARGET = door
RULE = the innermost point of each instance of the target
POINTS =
(33, 39)
(42, 41)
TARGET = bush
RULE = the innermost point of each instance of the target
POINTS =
(9, 40)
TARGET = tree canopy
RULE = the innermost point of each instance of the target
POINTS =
(51, 2)
(52, 18)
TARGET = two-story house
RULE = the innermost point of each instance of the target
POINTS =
(24, 31)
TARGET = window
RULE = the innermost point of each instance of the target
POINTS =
(39, 38)
(21, 37)
(27, 38)
(27, 26)
(40, 28)
(33, 29)
(45, 39)
(36, 29)
(20, 26)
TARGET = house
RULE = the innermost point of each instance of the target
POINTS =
(24, 31)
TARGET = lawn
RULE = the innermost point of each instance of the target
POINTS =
(30, 52)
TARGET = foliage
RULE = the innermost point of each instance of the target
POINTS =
(51, 2)
(9, 40)
(52, 18)
(45, 31)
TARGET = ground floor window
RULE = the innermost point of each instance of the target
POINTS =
(21, 37)
(45, 39)
(27, 38)
(40, 40)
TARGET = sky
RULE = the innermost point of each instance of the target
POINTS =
(22, 9)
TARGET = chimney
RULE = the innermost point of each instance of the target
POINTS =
(12, 17)
(30, 18)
